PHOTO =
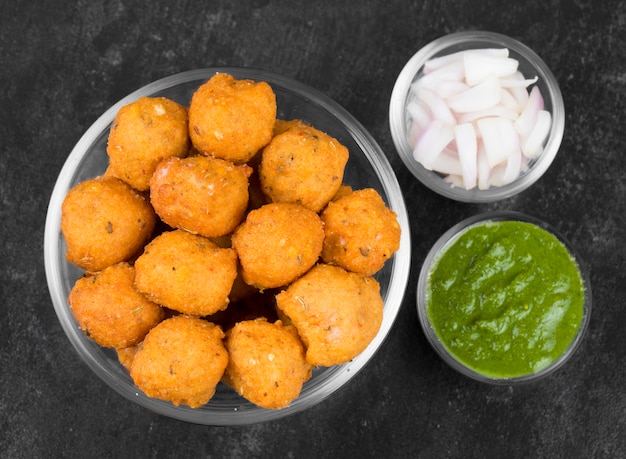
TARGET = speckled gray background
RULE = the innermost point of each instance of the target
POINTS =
(63, 63)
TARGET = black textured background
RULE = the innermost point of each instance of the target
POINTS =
(63, 63)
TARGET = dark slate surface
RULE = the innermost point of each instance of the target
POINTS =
(64, 63)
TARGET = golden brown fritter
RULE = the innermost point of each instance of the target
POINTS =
(181, 360)
(267, 364)
(337, 313)
(105, 221)
(232, 119)
(361, 233)
(202, 195)
(186, 272)
(302, 165)
(109, 308)
(277, 243)
(145, 132)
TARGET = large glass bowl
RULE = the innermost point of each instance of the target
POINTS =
(530, 64)
(367, 167)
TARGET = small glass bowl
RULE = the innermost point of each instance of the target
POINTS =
(530, 64)
(367, 167)
(442, 244)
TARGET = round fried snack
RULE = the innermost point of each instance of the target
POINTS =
(267, 365)
(277, 243)
(186, 272)
(337, 313)
(203, 195)
(110, 310)
(361, 233)
(105, 221)
(181, 360)
(302, 165)
(232, 119)
(144, 133)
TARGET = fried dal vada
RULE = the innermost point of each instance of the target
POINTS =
(181, 360)
(277, 243)
(267, 364)
(337, 313)
(361, 233)
(186, 272)
(105, 221)
(302, 165)
(232, 119)
(202, 195)
(144, 133)
(109, 308)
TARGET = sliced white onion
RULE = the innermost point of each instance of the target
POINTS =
(513, 164)
(474, 120)
(533, 145)
(495, 111)
(517, 83)
(436, 105)
(438, 62)
(484, 95)
(419, 114)
(453, 71)
(507, 100)
(499, 137)
(519, 92)
(479, 66)
(528, 117)
(432, 142)
(449, 88)
(447, 162)
(467, 147)
(484, 171)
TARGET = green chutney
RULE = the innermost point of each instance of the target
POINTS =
(506, 298)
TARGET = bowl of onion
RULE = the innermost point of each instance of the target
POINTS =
(476, 116)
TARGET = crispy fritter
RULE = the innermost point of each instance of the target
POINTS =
(267, 364)
(109, 308)
(232, 119)
(361, 233)
(145, 132)
(337, 313)
(105, 221)
(181, 360)
(186, 272)
(302, 165)
(277, 243)
(203, 195)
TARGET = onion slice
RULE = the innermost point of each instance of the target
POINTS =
(499, 137)
(436, 105)
(533, 145)
(432, 142)
(479, 66)
(440, 61)
(485, 94)
(467, 147)
(528, 117)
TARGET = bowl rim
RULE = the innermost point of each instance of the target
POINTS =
(334, 377)
(448, 238)
(433, 181)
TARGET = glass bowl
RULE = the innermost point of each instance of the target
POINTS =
(367, 167)
(445, 351)
(530, 64)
